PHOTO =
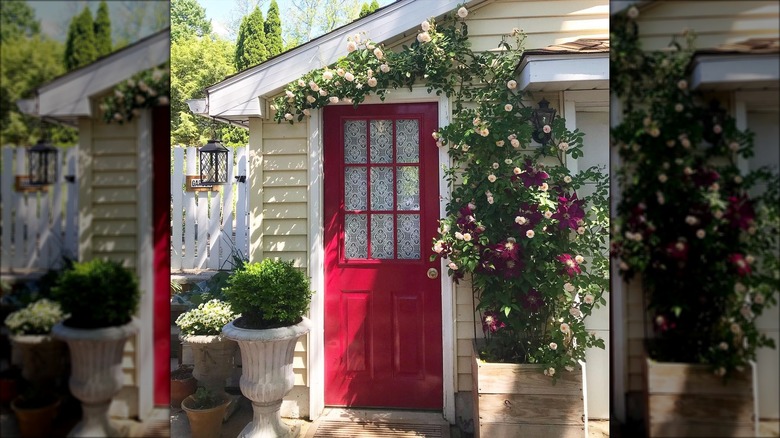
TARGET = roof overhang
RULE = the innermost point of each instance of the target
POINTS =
(67, 97)
(563, 72)
(751, 71)
(244, 94)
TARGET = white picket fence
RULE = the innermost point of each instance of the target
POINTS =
(38, 228)
(208, 228)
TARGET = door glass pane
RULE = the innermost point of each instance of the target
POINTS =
(407, 141)
(408, 188)
(382, 188)
(355, 188)
(381, 141)
(408, 236)
(355, 142)
(382, 245)
(355, 236)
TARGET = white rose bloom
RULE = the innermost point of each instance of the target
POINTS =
(333, 99)
(453, 266)
(567, 179)
(467, 237)
(327, 75)
(301, 83)
(372, 82)
(588, 299)
(520, 220)
(579, 258)
(581, 230)
(289, 94)
(548, 214)
(459, 235)
(463, 12)
(288, 116)
(568, 287)
(349, 76)
(515, 143)
(492, 178)
(529, 234)
(310, 99)
(423, 37)
(314, 87)
(512, 84)
(384, 68)
(351, 46)
(553, 346)
(425, 26)
(379, 54)
(508, 107)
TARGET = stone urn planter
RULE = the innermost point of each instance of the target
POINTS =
(96, 373)
(43, 357)
(267, 375)
(213, 364)
(272, 296)
(102, 298)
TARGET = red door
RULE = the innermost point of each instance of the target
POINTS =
(161, 204)
(382, 313)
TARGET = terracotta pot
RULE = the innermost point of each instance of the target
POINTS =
(181, 388)
(267, 374)
(96, 373)
(204, 423)
(35, 422)
(8, 389)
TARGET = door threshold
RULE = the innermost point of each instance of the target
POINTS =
(383, 415)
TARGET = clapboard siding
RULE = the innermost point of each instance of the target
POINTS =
(285, 207)
(728, 23)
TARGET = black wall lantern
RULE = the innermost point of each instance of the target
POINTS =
(213, 163)
(42, 163)
(713, 119)
(544, 115)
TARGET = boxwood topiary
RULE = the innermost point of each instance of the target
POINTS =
(269, 294)
(97, 294)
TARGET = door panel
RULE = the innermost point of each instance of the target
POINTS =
(382, 312)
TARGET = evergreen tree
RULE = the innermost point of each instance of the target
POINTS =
(250, 46)
(80, 47)
(368, 8)
(102, 30)
(273, 30)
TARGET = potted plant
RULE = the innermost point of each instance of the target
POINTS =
(42, 355)
(201, 330)
(272, 297)
(101, 297)
(699, 234)
(183, 384)
(35, 411)
(205, 410)
(531, 240)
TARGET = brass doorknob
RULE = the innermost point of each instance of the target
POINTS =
(433, 273)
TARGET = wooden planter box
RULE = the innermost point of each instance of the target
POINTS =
(518, 400)
(686, 400)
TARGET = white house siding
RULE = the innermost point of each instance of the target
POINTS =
(107, 218)
(279, 220)
(727, 23)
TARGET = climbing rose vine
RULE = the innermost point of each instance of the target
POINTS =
(701, 234)
(520, 225)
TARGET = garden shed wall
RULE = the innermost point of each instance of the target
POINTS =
(107, 179)
(280, 176)
(728, 23)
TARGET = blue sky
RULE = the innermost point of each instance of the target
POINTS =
(55, 16)
(220, 11)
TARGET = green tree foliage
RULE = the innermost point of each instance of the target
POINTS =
(102, 30)
(273, 30)
(26, 63)
(312, 18)
(140, 18)
(250, 46)
(80, 47)
(367, 8)
(17, 19)
(189, 78)
(188, 18)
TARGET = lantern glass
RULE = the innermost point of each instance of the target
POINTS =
(213, 163)
(42, 163)
(542, 116)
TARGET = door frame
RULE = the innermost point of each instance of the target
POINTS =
(316, 341)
